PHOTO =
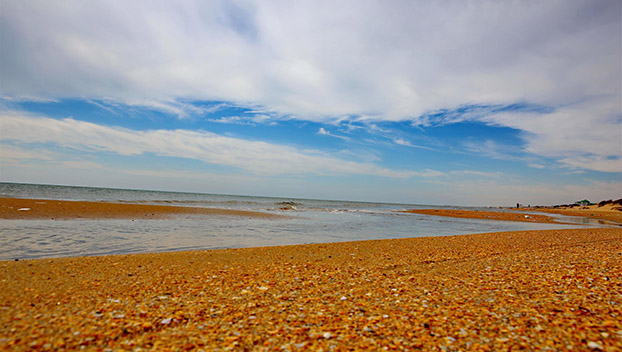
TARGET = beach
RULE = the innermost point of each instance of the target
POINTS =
(47, 221)
(606, 213)
(486, 215)
(330, 176)
(557, 289)
(21, 208)
(28, 208)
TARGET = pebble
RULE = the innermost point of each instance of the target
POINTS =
(594, 345)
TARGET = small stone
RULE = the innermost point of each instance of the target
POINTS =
(165, 321)
(343, 298)
(595, 346)
(327, 335)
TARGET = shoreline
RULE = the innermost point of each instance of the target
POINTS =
(606, 216)
(606, 213)
(27, 208)
(495, 291)
(23, 208)
(486, 215)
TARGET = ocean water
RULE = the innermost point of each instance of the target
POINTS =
(310, 221)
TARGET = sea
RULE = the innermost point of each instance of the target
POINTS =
(308, 221)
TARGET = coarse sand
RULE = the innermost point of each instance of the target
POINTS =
(532, 290)
(19, 208)
(485, 215)
(606, 214)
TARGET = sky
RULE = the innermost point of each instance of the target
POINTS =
(421, 102)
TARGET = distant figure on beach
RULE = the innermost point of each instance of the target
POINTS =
(517, 205)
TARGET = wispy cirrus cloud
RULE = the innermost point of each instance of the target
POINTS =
(11, 153)
(235, 120)
(323, 132)
(405, 143)
(585, 135)
(257, 157)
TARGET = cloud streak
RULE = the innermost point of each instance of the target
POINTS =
(323, 132)
(587, 135)
(256, 157)
(584, 135)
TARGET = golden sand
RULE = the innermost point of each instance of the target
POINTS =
(533, 290)
(606, 213)
(16, 208)
(486, 215)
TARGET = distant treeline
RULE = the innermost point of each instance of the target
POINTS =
(584, 203)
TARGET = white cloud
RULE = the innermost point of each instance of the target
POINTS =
(586, 135)
(323, 132)
(328, 61)
(406, 143)
(402, 142)
(10, 153)
(257, 157)
(81, 165)
(315, 59)
(235, 120)
(594, 162)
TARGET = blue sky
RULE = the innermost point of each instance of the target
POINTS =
(480, 103)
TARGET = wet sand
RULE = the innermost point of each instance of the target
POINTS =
(17, 208)
(535, 290)
(485, 215)
(607, 213)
